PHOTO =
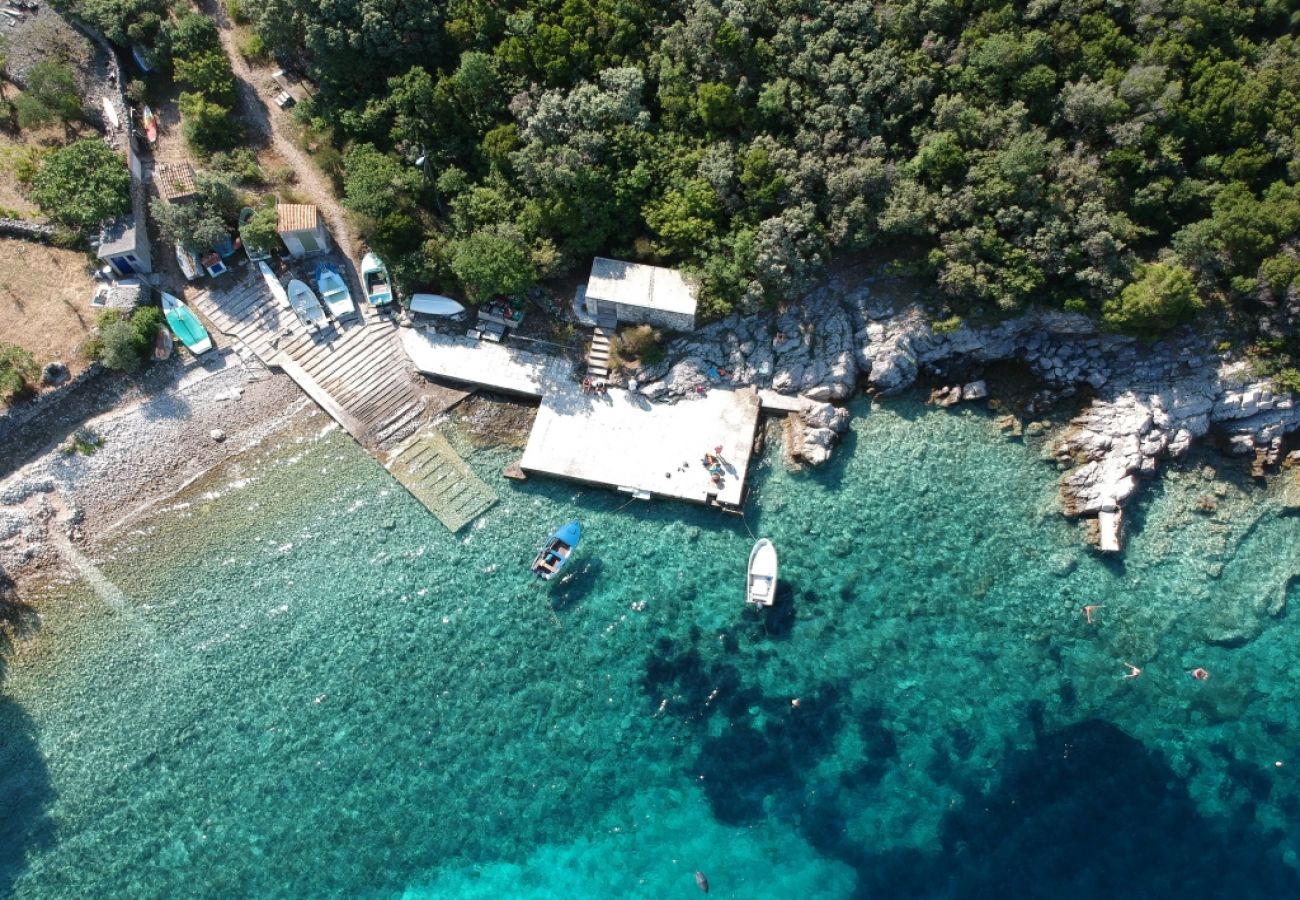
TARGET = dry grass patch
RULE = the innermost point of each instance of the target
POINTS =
(45, 301)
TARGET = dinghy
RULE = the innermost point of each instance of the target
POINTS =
(150, 123)
(557, 550)
(760, 585)
(334, 292)
(306, 305)
(435, 305)
(374, 278)
(185, 325)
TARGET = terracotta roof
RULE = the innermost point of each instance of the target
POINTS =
(297, 217)
(175, 180)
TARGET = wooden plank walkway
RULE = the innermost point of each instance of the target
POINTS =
(431, 470)
(356, 371)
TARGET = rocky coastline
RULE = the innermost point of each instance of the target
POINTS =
(1149, 403)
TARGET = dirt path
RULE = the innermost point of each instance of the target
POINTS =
(272, 126)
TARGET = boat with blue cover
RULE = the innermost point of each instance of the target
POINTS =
(185, 325)
(557, 550)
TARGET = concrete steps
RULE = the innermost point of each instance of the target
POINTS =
(598, 354)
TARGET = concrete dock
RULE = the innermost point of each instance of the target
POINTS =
(615, 439)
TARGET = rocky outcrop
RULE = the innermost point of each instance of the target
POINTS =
(1150, 403)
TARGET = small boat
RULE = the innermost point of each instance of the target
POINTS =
(760, 585)
(191, 265)
(306, 305)
(374, 278)
(150, 124)
(255, 254)
(435, 305)
(185, 325)
(141, 59)
(274, 286)
(557, 550)
(110, 113)
(334, 292)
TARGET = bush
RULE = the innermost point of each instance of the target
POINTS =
(1162, 298)
(18, 369)
(261, 233)
(238, 15)
(124, 342)
(51, 95)
(641, 343)
(946, 326)
(241, 163)
(207, 126)
(253, 49)
(208, 73)
(1288, 380)
(83, 184)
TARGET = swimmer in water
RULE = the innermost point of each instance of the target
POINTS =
(1199, 674)
(1133, 671)
(1090, 609)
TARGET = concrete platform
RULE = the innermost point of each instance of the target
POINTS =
(624, 441)
(489, 365)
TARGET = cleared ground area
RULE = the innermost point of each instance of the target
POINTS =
(45, 301)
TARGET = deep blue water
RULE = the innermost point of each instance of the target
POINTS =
(307, 687)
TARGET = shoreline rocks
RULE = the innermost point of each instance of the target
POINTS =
(1149, 403)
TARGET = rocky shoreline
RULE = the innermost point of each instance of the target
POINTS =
(1149, 402)
(122, 462)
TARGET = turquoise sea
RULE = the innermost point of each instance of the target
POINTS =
(293, 682)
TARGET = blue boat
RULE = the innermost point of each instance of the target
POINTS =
(557, 550)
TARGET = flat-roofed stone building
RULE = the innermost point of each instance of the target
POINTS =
(638, 293)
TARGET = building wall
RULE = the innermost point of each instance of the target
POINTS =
(638, 315)
(293, 241)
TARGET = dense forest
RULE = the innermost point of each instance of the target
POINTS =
(1135, 158)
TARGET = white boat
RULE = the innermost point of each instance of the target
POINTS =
(374, 279)
(274, 286)
(189, 262)
(435, 305)
(305, 304)
(334, 292)
(760, 583)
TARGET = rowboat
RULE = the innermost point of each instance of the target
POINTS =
(760, 583)
(435, 305)
(254, 253)
(557, 550)
(150, 123)
(306, 305)
(334, 292)
(191, 265)
(374, 278)
(185, 325)
(274, 286)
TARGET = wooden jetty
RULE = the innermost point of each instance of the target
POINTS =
(357, 372)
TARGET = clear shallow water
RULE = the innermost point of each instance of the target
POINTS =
(310, 688)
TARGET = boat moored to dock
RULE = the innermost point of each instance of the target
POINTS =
(760, 581)
(557, 550)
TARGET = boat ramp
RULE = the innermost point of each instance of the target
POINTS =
(359, 374)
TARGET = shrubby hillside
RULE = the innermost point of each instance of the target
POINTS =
(1136, 158)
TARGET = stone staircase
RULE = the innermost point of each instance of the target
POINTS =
(598, 354)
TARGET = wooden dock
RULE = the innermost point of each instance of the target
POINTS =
(357, 372)
(431, 470)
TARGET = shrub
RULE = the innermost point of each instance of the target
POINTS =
(51, 95)
(208, 73)
(235, 9)
(253, 49)
(489, 263)
(1288, 380)
(260, 233)
(83, 184)
(1162, 298)
(18, 369)
(207, 126)
(124, 342)
(241, 163)
(946, 326)
(639, 343)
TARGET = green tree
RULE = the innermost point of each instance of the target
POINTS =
(208, 73)
(18, 370)
(716, 106)
(194, 226)
(262, 230)
(375, 184)
(207, 126)
(83, 184)
(492, 262)
(50, 96)
(1163, 297)
(125, 341)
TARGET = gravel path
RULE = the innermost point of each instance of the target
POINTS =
(273, 126)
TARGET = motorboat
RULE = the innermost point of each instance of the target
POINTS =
(185, 325)
(374, 278)
(304, 303)
(760, 581)
(334, 292)
(557, 550)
